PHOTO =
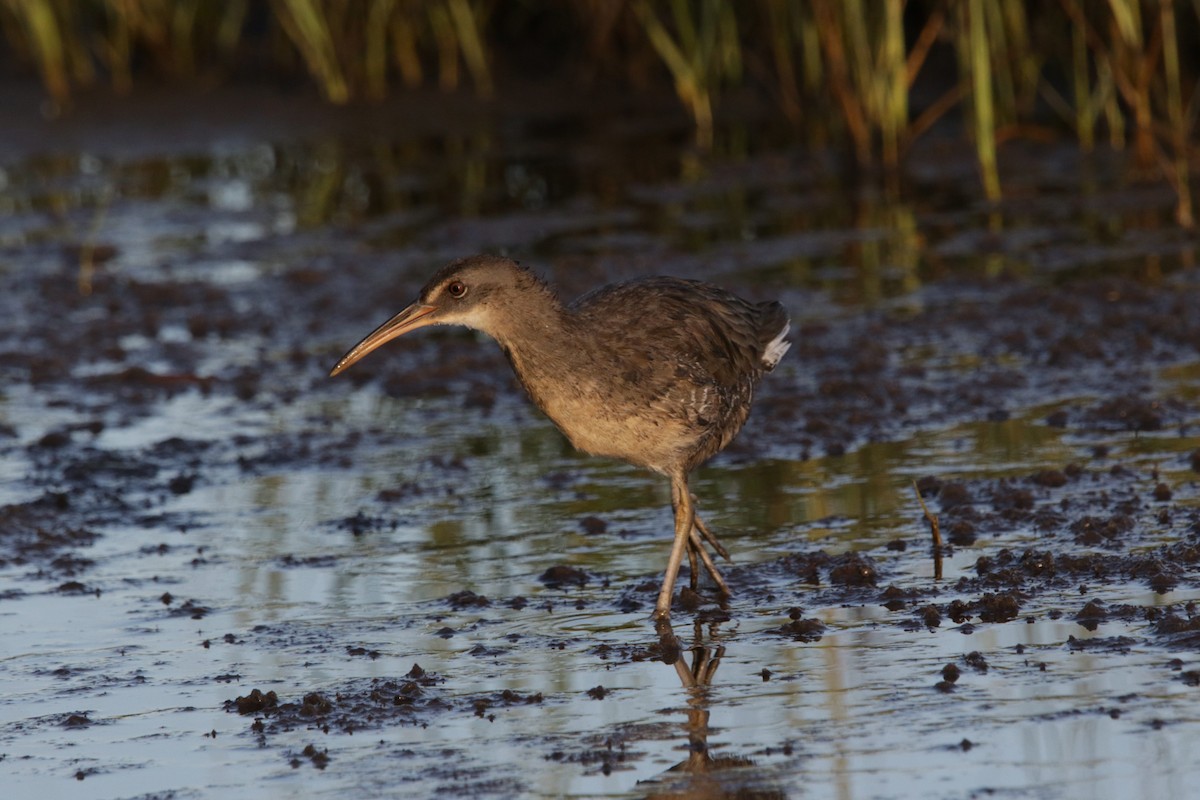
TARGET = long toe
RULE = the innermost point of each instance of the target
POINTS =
(694, 575)
(709, 537)
(709, 567)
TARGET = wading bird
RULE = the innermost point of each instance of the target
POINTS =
(659, 371)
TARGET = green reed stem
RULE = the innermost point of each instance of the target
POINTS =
(983, 117)
(1176, 116)
(306, 23)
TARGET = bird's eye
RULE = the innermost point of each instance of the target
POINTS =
(457, 289)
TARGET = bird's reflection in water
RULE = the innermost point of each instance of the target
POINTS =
(701, 775)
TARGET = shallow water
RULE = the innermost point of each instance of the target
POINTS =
(263, 528)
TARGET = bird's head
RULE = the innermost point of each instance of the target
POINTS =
(480, 292)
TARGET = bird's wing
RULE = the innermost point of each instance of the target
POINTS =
(690, 347)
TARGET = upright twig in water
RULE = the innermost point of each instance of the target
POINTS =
(936, 530)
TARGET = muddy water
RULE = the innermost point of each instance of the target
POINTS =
(223, 573)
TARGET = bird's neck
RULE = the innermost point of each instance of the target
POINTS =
(546, 347)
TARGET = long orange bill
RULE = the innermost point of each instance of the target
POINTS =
(411, 318)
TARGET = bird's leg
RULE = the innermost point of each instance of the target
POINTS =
(685, 512)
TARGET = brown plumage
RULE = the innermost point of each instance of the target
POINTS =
(659, 372)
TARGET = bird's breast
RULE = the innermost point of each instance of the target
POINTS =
(646, 438)
(610, 418)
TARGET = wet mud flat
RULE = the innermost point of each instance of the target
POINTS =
(222, 571)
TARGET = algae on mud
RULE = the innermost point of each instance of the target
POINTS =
(190, 511)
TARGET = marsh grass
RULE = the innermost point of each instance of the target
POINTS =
(838, 70)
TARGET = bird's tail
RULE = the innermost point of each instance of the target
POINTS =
(775, 321)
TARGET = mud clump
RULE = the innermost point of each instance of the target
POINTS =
(961, 533)
(35, 531)
(593, 525)
(181, 484)
(314, 704)
(952, 495)
(481, 705)
(1007, 497)
(958, 612)
(1051, 478)
(928, 485)
(357, 705)
(362, 651)
(806, 566)
(1127, 413)
(1160, 574)
(976, 661)
(853, 569)
(362, 523)
(930, 616)
(1111, 644)
(801, 630)
(467, 599)
(998, 607)
(253, 703)
(895, 598)
(563, 575)
(1091, 615)
(318, 758)
(1101, 530)
(188, 608)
